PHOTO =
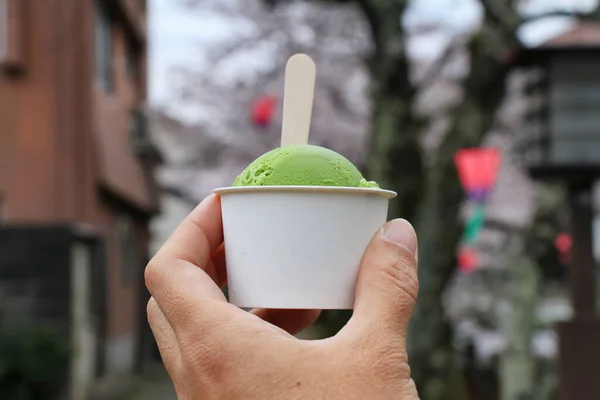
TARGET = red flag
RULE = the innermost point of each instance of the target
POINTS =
(563, 242)
(467, 260)
(477, 168)
(263, 109)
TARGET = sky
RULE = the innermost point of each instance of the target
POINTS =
(179, 37)
(176, 39)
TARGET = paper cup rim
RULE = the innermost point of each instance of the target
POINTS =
(305, 189)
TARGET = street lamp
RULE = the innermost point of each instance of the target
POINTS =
(562, 142)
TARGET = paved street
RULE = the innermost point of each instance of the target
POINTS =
(155, 385)
(156, 391)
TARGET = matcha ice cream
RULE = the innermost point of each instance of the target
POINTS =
(299, 218)
(302, 165)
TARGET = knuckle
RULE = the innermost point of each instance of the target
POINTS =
(204, 353)
(151, 309)
(209, 331)
(401, 272)
(152, 272)
(388, 361)
(214, 354)
(385, 360)
(410, 390)
(204, 244)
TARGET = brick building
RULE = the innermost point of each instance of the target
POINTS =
(76, 184)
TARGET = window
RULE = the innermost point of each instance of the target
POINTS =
(137, 125)
(138, 133)
(131, 61)
(3, 30)
(11, 35)
(104, 49)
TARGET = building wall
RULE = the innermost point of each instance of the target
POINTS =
(111, 126)
(122, 177)
(30, 293)
(52, 133)
(65, 150)
(47, 278)
(27, 123)
(123, 303)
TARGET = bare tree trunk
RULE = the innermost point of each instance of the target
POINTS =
(431, 354)
(395, 156)
(517, 368)
(520, 375)
(430, 198)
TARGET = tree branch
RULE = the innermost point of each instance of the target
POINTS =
(180, 194)
(384, 18)
(502, 14)
(436, 69)
(591, 16)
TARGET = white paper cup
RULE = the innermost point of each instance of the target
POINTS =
(298, 246)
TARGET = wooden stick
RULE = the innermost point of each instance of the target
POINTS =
(300, 74)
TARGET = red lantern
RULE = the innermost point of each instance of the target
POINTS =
(563, 244)
(477, 170)
(263, 109)
(467, 260)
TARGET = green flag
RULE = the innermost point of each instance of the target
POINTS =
(475, 223)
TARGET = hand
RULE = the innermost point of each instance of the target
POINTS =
(215, 350)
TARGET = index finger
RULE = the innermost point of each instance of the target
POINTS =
(186, 254)
(197, 236)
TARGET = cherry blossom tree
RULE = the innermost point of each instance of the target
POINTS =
(399, 115)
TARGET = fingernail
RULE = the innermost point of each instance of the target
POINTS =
(401, 232)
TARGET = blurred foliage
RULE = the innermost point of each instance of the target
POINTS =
(551, 220)
(33, 364)
(331, 321)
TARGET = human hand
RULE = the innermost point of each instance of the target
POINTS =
(215, 350)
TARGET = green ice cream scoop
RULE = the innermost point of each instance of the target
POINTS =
(302, 165)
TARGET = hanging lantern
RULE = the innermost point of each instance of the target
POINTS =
(263, 110)
(563, 244)
(477, 170)
(467, 260)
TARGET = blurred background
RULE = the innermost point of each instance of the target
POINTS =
(118, 116)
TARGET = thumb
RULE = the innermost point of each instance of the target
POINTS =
(388, 284)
